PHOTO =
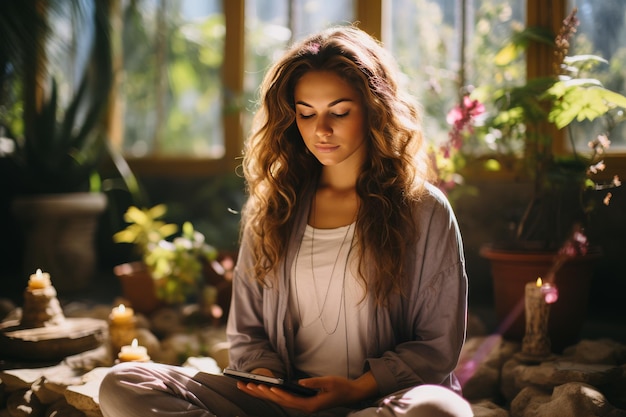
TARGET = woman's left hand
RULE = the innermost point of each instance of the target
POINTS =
(334, 391)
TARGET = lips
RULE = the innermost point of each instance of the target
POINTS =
(326, 148)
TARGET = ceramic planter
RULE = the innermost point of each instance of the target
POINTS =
(59, 236)
(512, 270)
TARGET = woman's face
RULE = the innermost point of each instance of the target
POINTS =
(331, 118)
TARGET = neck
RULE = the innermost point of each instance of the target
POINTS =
(337, 179)
(335, 204)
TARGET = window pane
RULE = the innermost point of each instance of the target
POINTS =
(309, 16)
(602, 32)
(425, 37)
(172, 58)
(67, 53)
(271, 25)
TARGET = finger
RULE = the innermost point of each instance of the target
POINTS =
(251, 389)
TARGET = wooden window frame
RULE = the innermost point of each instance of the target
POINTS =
(369, 15)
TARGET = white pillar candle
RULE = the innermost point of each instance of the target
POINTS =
(122, 315)
(133, 352)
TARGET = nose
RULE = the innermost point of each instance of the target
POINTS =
(322, 128)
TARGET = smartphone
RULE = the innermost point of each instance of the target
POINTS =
(291, 387)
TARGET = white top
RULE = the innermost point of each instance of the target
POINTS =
(323, 288)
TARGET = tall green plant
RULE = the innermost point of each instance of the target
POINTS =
(521, 113)
(58, 148)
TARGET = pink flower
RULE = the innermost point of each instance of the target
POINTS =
(550, 293)
(616, 181)
(600, 166)
(462, 118)
(576, 245)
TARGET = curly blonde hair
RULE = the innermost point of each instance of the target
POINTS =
(392, 177)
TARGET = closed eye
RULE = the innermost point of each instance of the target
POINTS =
(337, 115)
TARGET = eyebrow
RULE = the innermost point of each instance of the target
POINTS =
(331, 104)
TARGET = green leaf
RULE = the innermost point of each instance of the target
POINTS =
(135, 215)
(188, 229)
(583, 99)
(167, 230)
(519, 42)
(124, 236)
(157, 211)
(507, 54)
(584, 59)
(613, 99)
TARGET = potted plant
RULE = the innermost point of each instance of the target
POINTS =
(57, 122)
(169, 271)
(564, 186)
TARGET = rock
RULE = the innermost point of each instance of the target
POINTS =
(6, 307)
(217, 345)
(528, 400)
(517, 375)
(480, 366)
(178, 347)
(602, 351)
(60, 380)
(3, 395)
(573, 399)
(219, 352)
(81, 309)
(14, 315)
(24, 403)
(15, 379)
(84, 397)
(475, 327)
(146, 338)
(485, 408)
(63, 409)
(44, 394)
(86, 361)
(616, 391)
(167, 321)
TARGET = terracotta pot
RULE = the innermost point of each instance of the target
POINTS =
(512, 270)
(138, 287)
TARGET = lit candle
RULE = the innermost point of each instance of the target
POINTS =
(536, 343)
(39, 280)
(122, 315)
(133, 353)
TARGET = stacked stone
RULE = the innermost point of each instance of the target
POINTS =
(41, 308)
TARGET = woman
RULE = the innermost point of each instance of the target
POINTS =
(350, 277)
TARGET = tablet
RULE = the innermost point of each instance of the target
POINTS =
(291, 387)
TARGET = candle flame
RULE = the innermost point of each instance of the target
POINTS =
(39, 273)
(539, 282)
(121, 308)
(135, 343)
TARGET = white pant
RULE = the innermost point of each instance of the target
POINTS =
(150, 389)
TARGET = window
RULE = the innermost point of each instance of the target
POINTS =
(444, 46)
(207, 59)
(602, 32)
(272, 25)
(170, 91)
